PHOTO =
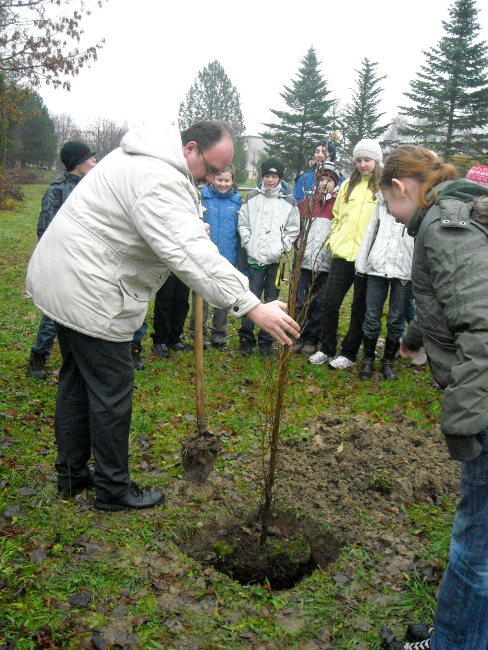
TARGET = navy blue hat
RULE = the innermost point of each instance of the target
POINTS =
(273, 166)
(325, 142)
(74, 153)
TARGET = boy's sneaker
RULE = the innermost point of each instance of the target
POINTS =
(161, 350)
(341, 362)
(181, 347)
(245, 348)
(265, 349)
(136, 359)
(318, 358)
(218, 341)
(419, 632)
(405, 645)
(37, 362)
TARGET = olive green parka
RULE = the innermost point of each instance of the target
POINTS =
(450, 283)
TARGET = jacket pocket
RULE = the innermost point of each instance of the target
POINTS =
(131, 309)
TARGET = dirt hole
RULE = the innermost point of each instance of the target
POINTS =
(294, 549)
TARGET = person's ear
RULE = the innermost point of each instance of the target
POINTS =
(189, 148)
(400, 186)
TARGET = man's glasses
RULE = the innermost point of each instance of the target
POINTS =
(209, 168)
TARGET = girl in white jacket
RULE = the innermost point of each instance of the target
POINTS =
(385, 255)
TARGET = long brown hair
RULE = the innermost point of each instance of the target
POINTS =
(409, 161)
(373, 182)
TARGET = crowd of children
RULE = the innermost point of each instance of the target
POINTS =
(350, 240)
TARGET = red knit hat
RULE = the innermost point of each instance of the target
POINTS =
(478, 174)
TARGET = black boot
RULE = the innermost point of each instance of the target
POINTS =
(37, 362)
(367, 364)
(388, 361)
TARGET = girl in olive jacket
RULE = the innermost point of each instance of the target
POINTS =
(352, 211)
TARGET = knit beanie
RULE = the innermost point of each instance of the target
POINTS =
(74, 153)
(368, 149)
(330, 147)
(330, 170)
(273, 166)
(478, 174)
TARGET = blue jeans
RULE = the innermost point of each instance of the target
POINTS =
(376, 294)
(46, 334)
(461, 621)
(136, 343)
(260, 280)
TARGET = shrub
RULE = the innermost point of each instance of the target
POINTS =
(10, 191)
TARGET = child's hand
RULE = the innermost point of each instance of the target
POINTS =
(272, 318)
(207, 228)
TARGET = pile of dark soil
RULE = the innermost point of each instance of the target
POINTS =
(344, 474)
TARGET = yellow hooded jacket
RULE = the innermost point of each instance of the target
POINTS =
(351, 219)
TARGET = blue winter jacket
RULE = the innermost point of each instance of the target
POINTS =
(221, 214)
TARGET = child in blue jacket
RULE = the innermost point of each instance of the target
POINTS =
(221, 205)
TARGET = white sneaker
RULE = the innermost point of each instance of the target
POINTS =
(318, 358)
(420, 359)
(341, 362)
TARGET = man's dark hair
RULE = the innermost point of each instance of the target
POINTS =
(207, 133)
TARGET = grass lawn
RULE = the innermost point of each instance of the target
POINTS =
(73, 577)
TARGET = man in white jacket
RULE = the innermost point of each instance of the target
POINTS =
(109, 249)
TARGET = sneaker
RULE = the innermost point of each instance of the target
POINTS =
(341, 362)
(161, 350)
(67, 492)
(37, 362)
(265, 349)
(318, 358)
(136, 359)
(420, 359)
(405, 645)
(245, 348)
(134, 499)
(181, 347)
(218, 341)
(419, 632)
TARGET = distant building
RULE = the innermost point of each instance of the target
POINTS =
(254, 152)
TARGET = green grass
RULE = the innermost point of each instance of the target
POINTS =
(136, 551)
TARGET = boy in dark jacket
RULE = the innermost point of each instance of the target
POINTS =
(78, 159)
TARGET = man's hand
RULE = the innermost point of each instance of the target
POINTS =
(272, 318)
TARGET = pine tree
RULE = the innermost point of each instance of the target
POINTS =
(213, 97)
(32, 140)
(450, 94)
(360, 118)
(294, 137)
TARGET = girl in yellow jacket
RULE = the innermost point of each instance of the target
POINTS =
(352, 211)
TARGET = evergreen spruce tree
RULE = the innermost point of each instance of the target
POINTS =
(213, 97)
(294, 137)
(450, 93)
(32, 139)
(360, 118)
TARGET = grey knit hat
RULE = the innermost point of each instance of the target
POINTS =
(368, 149)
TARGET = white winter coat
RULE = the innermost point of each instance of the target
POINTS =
(386, 249)
(127, 224)
(269, 223)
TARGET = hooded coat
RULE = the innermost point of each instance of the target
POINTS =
(127, 224)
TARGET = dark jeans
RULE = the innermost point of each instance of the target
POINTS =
(342, 277)
(46, 334)
(398, 304)
(260, 280)
(461, 619)
(313, 284)
(93, 412)
(170, 311)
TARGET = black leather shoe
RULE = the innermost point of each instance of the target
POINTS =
(76, 487)
(136, 359)
(134, 499)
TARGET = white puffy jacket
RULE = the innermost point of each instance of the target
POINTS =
(127, 224)
(386, 249)
(269, 223)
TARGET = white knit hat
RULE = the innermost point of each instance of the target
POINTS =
(368, 149)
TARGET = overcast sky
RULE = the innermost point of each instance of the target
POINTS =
(155, 48)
